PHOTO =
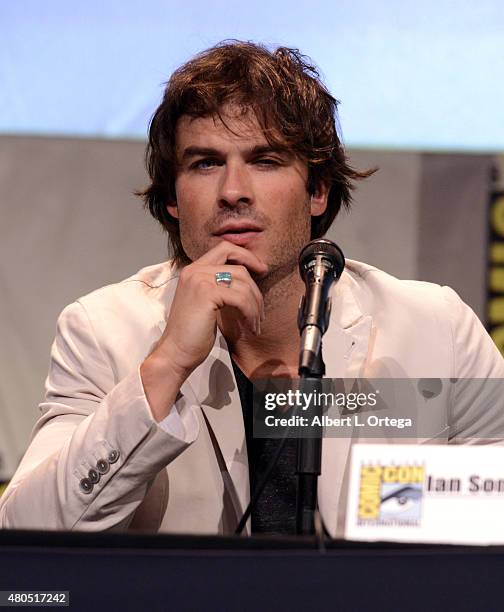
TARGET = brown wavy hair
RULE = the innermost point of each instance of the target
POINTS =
(293, 108)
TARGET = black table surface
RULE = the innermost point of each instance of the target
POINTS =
(125, 571)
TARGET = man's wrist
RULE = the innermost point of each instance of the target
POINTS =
(161, 380)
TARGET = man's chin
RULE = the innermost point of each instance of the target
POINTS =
(277, 273)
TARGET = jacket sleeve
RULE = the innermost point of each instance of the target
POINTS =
(477, 396)
(89, 423)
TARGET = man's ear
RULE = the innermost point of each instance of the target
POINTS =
(318, 201)
(172, 209)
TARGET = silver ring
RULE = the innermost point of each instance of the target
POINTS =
(224, 278)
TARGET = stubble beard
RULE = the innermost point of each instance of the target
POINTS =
(282, 280)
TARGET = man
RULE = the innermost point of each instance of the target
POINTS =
(146, 422)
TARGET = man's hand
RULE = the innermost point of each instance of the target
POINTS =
(192, 324)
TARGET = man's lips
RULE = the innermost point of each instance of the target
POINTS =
(238, 234)
(237, 228)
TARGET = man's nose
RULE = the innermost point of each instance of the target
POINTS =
(235, 188)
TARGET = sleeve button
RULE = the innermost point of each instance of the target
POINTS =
(85, 485)
(102, 465)
(113, 456)
(93, 476)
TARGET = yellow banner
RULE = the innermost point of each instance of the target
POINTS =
(495, 272)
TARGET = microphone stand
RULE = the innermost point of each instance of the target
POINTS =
(309, 450)
(321, 263)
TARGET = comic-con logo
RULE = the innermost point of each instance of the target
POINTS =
(391, 494)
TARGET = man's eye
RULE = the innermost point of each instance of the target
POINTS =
(203, 164)
(267, 161)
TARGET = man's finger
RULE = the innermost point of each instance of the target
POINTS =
(240, 299)
(227, 252)
(239, 273)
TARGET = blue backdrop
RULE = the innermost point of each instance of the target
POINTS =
(409, 74)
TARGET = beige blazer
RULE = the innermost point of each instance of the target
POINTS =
(95, 413)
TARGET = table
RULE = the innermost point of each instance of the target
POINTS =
(114, 571)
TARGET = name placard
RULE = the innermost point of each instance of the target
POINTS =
(426, 493)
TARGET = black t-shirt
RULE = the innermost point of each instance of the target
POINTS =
(275, 511)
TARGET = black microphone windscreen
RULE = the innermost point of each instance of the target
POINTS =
(328, 249)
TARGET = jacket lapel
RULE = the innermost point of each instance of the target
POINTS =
(345, 349)
(214, 388)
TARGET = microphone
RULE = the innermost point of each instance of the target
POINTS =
(321, 263)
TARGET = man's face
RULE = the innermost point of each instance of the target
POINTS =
(232, 185)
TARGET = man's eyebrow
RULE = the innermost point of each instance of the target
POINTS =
(267, 148)
(198, 151)
(194, 151)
